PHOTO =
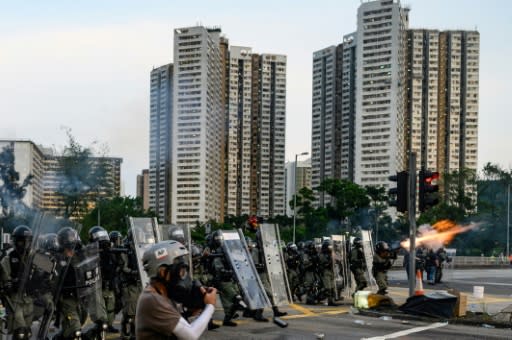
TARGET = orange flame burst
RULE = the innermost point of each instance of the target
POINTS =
(439, 234)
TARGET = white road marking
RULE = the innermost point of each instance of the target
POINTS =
(482, 283)
(408, 331)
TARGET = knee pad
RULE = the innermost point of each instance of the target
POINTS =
(20, 334)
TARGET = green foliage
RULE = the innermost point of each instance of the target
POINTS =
(347, 197)
(14, 211)
(113, 214)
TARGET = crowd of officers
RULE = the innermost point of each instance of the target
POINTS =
(316, 273)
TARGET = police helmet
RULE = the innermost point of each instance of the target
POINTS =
(326, 245)
(358, 242)
(300, 245)
(218, 239)
(116, 238)
(177, 234)
(98, 234)
(51, 242)
(22, 237)
(381, 247)
(291, 247)
(166, 253)
(68, 238)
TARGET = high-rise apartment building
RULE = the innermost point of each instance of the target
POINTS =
(443, 68)
(326, 114)
(268, 135)
(333, 115)
(218, 122)
(380, 92)
(387, 90)
(238, 132)
(198, 126)
(160, 139)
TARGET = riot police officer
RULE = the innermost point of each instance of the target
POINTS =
(327, 272)
(107, 266)
(382, 262)
(358, 264)
(13, 273)
(71, 311)
(310, 266)
(292, 259)
(130, 287)
(223, 280)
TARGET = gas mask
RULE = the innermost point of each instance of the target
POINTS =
(182, 288)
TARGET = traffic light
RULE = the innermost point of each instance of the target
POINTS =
(401, 191)
(428, 196)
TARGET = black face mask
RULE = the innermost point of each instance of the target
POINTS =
(183, 289)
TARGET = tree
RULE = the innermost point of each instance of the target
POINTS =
(346, 196)
(83, 178)
(113, 214)
(14, 210)
(378, 203)
(303, 202)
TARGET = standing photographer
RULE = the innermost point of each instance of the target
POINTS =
(157, 315)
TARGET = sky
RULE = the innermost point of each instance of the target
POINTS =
(85, 64)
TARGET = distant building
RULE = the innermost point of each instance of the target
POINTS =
(387, 90)
(198, 126)
(46, 167)
(295, 183)
(160, 141)
(143, 188)
(28, 160)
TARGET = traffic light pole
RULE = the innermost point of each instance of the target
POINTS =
(412, 222)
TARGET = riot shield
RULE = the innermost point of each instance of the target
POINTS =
(237, 253)
(145, 234)
(366, 237)
(275, 264)
(342, 279)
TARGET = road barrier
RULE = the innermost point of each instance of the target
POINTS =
(467, 261)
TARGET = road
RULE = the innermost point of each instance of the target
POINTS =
(311, 322)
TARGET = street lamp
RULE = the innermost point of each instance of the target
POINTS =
(508, 222)
(305, 153)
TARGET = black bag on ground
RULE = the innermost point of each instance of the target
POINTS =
(436, 304)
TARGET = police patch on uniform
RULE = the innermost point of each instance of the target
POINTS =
(161, 253)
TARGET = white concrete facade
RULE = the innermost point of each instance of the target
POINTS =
(198, 126)
(380, 97)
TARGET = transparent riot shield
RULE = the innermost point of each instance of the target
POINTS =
(341, 267)
(449, 265)
(275, 264)
(366, 237)
(241, 262)
(145, 233)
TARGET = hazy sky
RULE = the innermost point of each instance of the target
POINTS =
(85, 64)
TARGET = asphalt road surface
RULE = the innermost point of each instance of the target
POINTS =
(343, 322)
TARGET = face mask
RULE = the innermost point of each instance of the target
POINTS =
(183, 289)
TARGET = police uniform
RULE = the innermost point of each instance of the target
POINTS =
(130, 291)
(12, 270)
(223, 281)
(358, 267)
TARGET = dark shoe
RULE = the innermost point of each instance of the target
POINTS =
(382, 292)
(112, 329)
(259, 317)
(248, 313)
(278, 313)
(229, 323)
(212, 326)
(333, 303)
